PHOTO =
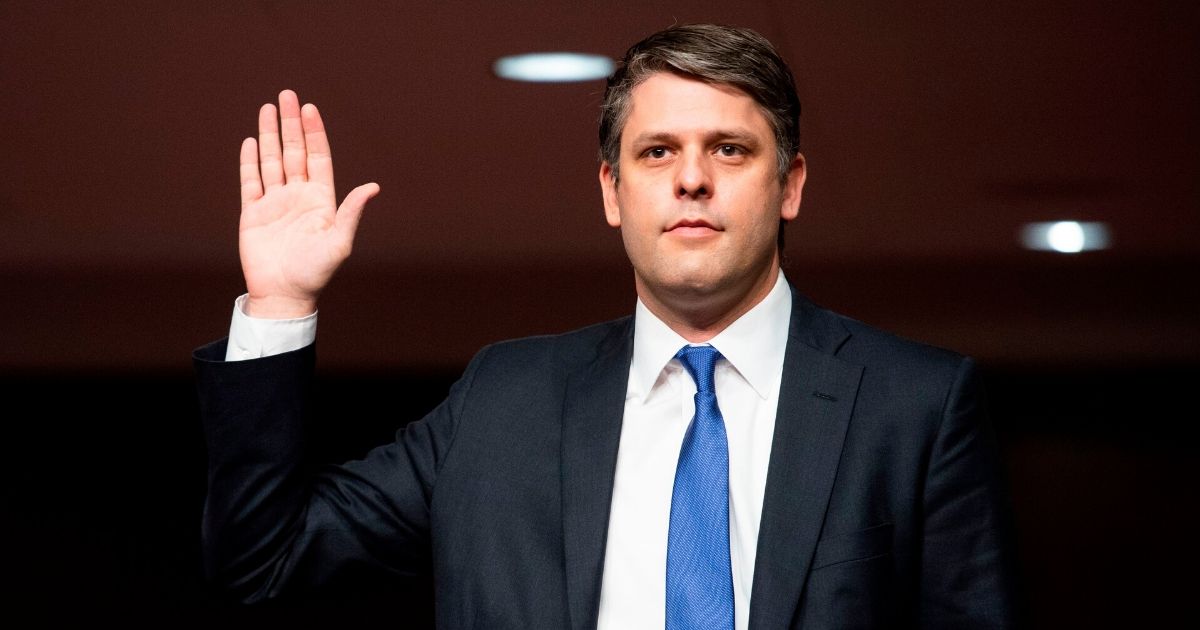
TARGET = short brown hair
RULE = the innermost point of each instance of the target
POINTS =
(715, 54)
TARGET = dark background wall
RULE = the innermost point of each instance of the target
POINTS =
(933, 129)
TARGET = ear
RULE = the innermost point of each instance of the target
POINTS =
(608, 188)
(793, 189)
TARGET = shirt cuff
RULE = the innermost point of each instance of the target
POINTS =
(255, 337)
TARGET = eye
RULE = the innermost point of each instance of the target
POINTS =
(730, 150)
(656, 153)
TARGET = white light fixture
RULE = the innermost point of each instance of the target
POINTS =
(1066, 237)
(557, 67)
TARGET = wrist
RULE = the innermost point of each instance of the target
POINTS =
(278, 307)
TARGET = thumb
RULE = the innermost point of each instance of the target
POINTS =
(348, 215)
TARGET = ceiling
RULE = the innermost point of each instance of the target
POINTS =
(933, 130)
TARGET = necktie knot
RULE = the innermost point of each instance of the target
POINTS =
(700, 362)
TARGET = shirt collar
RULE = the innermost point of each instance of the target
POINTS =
(754, 344)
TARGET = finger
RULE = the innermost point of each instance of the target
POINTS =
(348, 215)
(292, 132)
(320, 161)
(268, 147)
(252, 188)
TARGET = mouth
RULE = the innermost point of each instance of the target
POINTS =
(693, 227)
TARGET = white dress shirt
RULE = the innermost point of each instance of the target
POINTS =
(658, 408)
(659, 404)
(254, 337)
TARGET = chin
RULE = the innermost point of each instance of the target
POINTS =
(696, 284)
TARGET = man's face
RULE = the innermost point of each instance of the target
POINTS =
(699, 198)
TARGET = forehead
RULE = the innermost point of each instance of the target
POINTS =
(675, 104)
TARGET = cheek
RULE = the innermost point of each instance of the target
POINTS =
(760, 224)
(637, 212)
(637, 235)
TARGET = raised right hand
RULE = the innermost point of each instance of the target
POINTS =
(292, 236)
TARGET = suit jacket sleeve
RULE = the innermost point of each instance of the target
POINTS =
(966, 564)
(273, 521)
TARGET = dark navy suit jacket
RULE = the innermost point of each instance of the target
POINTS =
(883, 504)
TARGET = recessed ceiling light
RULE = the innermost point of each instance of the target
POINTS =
(557, 67)
(1066, 237)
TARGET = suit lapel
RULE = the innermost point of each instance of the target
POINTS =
(593, 407)
(815, 401)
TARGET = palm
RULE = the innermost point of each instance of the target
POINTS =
(292, 236)
(287, 241)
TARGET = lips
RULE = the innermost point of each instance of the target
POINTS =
(692, 226)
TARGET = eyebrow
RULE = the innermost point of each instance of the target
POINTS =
(740, 136)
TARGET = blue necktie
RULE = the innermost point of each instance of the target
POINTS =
(699, 576)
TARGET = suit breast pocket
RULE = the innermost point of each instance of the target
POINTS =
(860, 545)
(852, 582)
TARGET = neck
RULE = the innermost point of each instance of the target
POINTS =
(698, 317)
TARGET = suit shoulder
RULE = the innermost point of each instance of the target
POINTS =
(902, 373)
(878, 349)
(558, 351)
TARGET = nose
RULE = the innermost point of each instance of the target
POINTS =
(692, 178)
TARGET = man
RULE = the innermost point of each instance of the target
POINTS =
(732, 456)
